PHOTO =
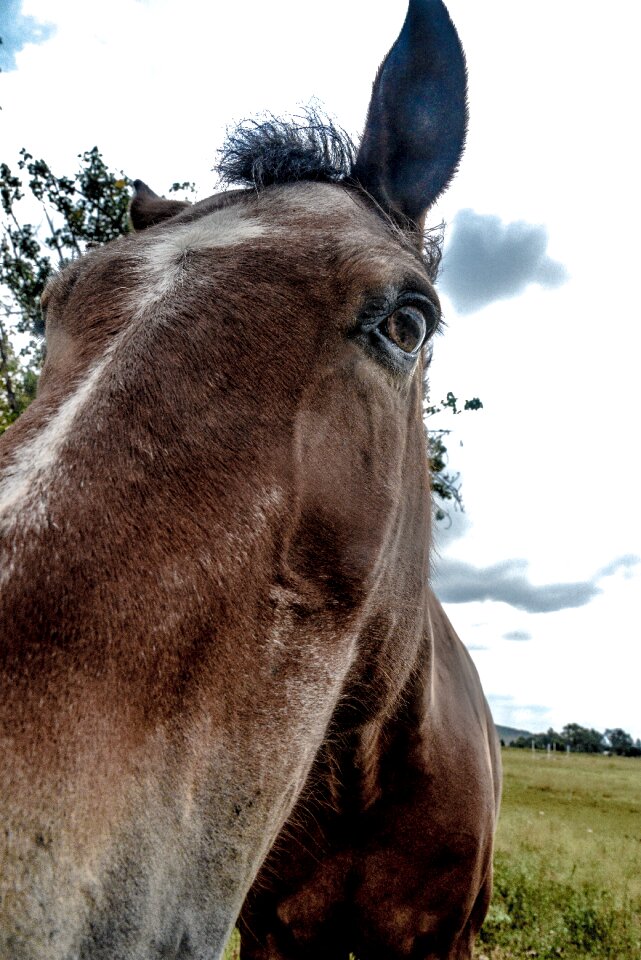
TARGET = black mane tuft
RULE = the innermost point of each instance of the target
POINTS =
(259, 153)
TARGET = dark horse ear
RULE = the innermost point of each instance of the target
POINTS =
(147, 208)
(417, 118)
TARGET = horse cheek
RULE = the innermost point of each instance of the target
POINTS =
(347, 461)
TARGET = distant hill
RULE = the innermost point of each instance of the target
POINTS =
(508, 734)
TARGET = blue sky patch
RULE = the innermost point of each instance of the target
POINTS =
(16, 30)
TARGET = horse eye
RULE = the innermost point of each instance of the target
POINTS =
(406, 328)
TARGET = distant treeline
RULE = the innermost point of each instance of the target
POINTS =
(582, 740)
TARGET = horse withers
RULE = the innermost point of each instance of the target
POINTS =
(226, 686)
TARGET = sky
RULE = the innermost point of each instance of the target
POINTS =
(541, 575)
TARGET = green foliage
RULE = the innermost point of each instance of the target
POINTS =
(621, 743)
(534, 915)
(232, 950)
(582, 740)
(568, 859)
(17, 383)
(185, 187)
(79, 212)
(445, 485)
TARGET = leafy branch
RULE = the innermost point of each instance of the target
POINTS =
(446, 485)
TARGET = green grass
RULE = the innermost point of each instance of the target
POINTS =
(232, 950)
(568, 859)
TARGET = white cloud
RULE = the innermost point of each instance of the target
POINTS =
(519, 636)
(487, 260)
(507, 582)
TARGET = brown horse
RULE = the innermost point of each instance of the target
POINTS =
(218, 638)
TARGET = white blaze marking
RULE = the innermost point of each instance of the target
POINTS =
(27, 481)
(163, 259)
(23, 483)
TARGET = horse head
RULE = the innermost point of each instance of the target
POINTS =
(215, 520)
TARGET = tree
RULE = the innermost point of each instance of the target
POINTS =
(583, 739)
(445, 485)
(541, 741)
(621, 743)
(78, 213)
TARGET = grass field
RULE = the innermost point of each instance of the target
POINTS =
(568, 859)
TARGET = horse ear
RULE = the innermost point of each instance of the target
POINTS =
(147, 208)
(417, 118)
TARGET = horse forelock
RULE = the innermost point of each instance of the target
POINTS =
(260, 153)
